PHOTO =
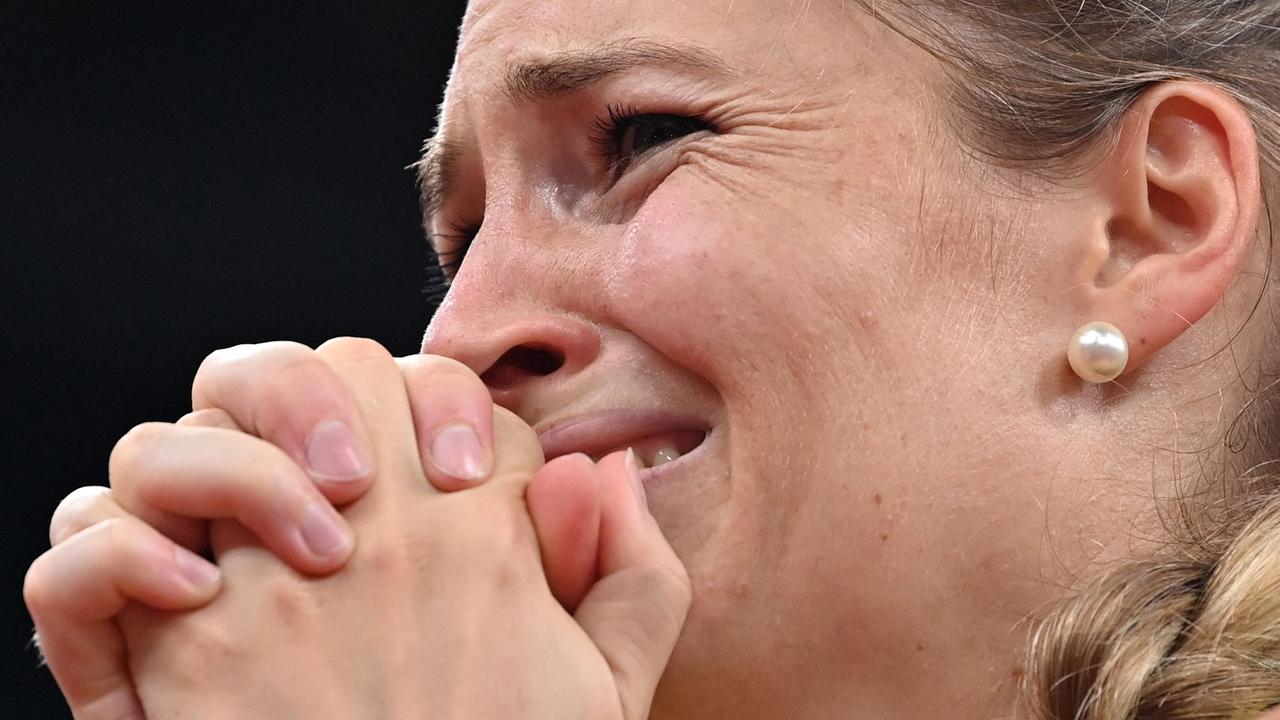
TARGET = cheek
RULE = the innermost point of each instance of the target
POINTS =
(732, 293)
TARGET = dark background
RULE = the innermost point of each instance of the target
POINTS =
(179, 177)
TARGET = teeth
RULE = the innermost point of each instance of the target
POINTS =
(664, 456)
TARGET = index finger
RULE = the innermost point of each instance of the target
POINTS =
(286, 394)
(452, 418)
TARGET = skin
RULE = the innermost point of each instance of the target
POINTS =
(902, 472)
(545, 590)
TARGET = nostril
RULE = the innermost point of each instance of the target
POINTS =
(522, 362)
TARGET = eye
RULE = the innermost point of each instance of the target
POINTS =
(626, 135)
(450, 250)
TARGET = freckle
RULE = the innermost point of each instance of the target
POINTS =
(919, 647)
(877, 498)
(884, 537)
(1142, 341)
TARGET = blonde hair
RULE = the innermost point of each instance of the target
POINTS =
(1195, 634)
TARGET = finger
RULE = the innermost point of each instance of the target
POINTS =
(635, 612)
(74, 590)
(287, 395)
(378, 391)
(166, 475)
(519, 454)
(90, 505)
(83, 507)
(453, 420)
(564, 504)
(209, 417)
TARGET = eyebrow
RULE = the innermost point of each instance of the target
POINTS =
(547, 78)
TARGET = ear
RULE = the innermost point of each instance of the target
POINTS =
(1177, 207)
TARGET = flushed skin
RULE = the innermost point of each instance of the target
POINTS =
(871, 320)
(902, 470)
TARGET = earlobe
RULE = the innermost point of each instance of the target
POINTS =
(1180, 197)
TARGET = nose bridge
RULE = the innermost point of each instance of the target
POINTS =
(510, 314)
(508, 317)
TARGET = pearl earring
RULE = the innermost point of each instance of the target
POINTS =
(1098, 352)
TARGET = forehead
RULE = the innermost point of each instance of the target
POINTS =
(505, 30)
(763, 37)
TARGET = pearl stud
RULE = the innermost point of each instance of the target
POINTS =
(1098, 352)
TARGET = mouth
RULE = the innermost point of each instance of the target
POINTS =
(658, 438)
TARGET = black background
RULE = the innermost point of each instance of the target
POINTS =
(179, 177)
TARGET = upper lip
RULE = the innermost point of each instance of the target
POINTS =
(605, 430)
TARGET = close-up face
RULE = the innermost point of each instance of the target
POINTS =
(745, 233)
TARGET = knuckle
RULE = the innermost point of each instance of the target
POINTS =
(397, 558)
(132, 450)
(282, 384)
(228, 366)
(208, 417)
(81, 508)
(207, 644)
(37, 586)
(425, 368)
(355, 348)
(292, 603)
(249, 353)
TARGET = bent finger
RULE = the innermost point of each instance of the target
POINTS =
(453, 420)
(564, 504)
(82, 508)
(286, 394)
(209, 417)
(166, 475)
(74, 591)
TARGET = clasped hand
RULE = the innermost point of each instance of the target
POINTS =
(457, 579)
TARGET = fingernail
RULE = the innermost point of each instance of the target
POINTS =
(199, 573)
(334, 453)
(633, 465)
(323, 532)
(457, 453)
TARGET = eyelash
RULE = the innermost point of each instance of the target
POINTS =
(609, 133)
(446, 264)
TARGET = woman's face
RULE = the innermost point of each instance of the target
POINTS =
(752, 218)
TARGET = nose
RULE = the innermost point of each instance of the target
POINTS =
(517, 355)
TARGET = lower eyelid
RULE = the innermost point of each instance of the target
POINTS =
(629, 192)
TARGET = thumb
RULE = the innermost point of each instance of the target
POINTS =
(635, 612)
